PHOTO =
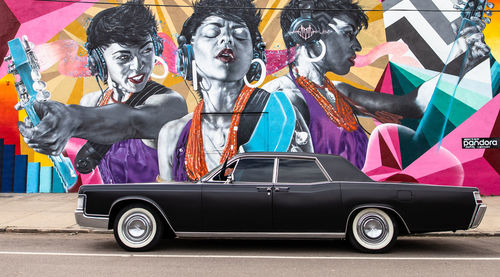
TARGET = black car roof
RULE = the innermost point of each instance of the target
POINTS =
(337, 167)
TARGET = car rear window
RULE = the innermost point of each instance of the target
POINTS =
(299, 171)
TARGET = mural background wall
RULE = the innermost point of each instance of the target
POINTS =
(407, 43)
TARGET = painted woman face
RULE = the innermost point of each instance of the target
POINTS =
(222, 49)
(129, 67)
(341, 45)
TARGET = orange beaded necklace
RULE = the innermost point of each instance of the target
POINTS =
(342, 115)
(196, 165)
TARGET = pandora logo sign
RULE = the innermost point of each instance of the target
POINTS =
(480, 143)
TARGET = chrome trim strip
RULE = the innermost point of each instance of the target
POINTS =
(91, 221)
(244, 235)
(145, 199)
(375, 206)
(478, 216)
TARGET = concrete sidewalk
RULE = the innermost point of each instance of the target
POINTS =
(53, 213)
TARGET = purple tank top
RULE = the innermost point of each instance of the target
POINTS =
(129, 161)
(328, 138)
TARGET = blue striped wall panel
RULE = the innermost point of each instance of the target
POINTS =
(33, 178)
(57, 185)
(20, 171)
(1, 162)
(45, 179)
(8, 167)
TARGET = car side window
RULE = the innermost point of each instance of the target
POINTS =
(299, 171)
(254, 170)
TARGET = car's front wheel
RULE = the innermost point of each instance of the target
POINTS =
(372, 230)
(138, 227)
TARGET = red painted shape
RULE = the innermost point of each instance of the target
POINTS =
(8, 28)
(492, 156)
(386, 155)
(27, 10)
(9, 116)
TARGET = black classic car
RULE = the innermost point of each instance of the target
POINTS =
(278, 195)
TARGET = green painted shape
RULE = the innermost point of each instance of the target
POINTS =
(402, 83)
(417, 72)
(474, 100)
(408, 78)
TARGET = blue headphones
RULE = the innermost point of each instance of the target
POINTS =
(304, 29)
(184, 58)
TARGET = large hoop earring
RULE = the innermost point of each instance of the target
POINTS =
(321, 56)
(165, 68)
(262, 74)
(194, 72)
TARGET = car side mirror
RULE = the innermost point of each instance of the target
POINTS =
(229, 179)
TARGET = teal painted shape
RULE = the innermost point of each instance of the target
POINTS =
(274, 130)
(33, 178)
(20, 172)
(405, 81)
(45, 179)
(57, 184)
(495, 78)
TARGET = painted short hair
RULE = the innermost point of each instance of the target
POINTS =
(128, 24)
(242, 11)
(324, 9)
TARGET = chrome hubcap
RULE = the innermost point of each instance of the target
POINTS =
(372, 228)
(137, 227)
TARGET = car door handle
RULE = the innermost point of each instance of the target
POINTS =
(282, 189)
(268, 189)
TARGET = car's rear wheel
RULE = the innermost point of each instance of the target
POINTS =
(138, 227)
(372, 230)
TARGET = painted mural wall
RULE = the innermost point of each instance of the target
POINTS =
(407, 90)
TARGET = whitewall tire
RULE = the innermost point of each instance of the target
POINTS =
(372, 230)
(137, 227)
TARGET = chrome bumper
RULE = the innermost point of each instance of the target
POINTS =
(478, 216)
(91, 221)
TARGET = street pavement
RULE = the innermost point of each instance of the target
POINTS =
(54, 213)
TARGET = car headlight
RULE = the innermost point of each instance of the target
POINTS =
(80, 202)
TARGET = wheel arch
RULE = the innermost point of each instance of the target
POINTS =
(125, 201)
(386, 208)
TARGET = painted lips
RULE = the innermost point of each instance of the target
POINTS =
(137, 79)
(226, 56)
(352, 60)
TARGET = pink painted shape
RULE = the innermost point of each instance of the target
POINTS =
(72, 148)
(396, 50)
(389, 133)
(169, 52)
(26, 10)
(43, 28)
(279, 59)
(438, 167)
(480, 174)
(480, 124)
(387, 81)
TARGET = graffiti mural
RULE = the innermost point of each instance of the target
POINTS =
(145, 91)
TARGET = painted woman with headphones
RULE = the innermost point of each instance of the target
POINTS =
(121, 122)
(324, 34)
(221, 52)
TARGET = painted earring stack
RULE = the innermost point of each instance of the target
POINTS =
(20, 176)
